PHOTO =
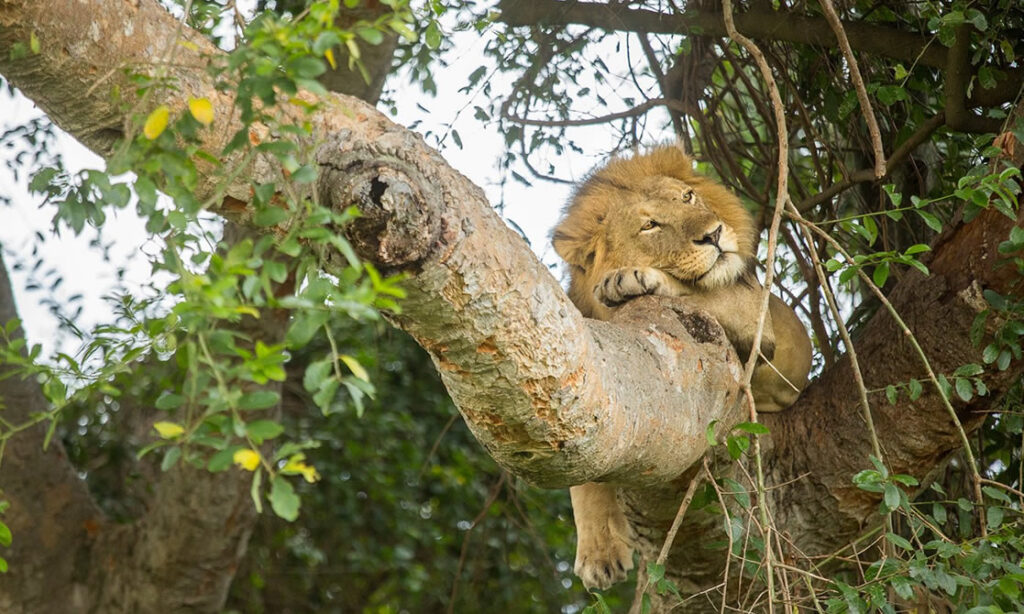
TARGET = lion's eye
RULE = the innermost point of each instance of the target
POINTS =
(687, 195)
(649, 225)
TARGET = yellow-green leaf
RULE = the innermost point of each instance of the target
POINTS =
(354, 366)
(247, 459)
(201, 109)
(329, 55)
(169, 430)
(156, 122)
(297, 465)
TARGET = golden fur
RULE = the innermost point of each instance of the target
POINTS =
(651, 225)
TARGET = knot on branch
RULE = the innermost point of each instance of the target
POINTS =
(400, 209)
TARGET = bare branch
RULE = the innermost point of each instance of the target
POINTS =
(858, 84)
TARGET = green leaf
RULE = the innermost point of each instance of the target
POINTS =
(738, 492)
(968, 370)
(269, 216)
(3, 565)
(305, 67)
(222, 460)
(324, 397)
(891, 497)
(304, 326)
(258, 399)
(915, 389)
(283, 499)
(931, 220)
(754, 428)
(898, 541)
(997, 494)
(261, 430)
(171, 458)
(881, 274)
(891, 394)
(373, 35)
(5, 535)
(737, 445)
(324, 41)
(433, 35)
(1004, 360)
(169, 400)
(709, 433)
(254, 490)
(964, 390)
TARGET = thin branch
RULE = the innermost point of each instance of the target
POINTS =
(781, 198)
(659, 74)
(491, 498)
(638, 110)
(858, 84)
(678, 521)
(844, 332)
(924, 131)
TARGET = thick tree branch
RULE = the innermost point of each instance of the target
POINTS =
(554, 398)
(758, 23)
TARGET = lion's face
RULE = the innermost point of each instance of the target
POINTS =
(653, 210)
(668, 225)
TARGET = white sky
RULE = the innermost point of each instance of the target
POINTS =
(84, 271)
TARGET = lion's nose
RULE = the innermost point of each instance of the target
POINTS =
(711, 238)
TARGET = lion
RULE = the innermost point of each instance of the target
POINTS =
(651, 225)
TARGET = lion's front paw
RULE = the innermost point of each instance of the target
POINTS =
(620, 285)
(601, 563)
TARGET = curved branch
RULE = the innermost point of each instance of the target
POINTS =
(757, 23)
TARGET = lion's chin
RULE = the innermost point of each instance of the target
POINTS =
(726, 270)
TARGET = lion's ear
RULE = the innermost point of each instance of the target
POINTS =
(577, 249)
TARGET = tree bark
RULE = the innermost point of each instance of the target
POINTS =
(555, 398)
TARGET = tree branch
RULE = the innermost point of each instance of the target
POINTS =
(757, 23)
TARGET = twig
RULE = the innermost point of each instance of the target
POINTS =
(678, 521)
(437, 442)
(666, 547)
(858, 84)
(491, 497)
(781, 198)
(864, 175)
(728, 532)
(1005, 487)
(640, 109)
(844, 332)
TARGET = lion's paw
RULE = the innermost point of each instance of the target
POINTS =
(601, 563)
(620, 285)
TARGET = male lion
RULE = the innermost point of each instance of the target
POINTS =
(651, 225)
